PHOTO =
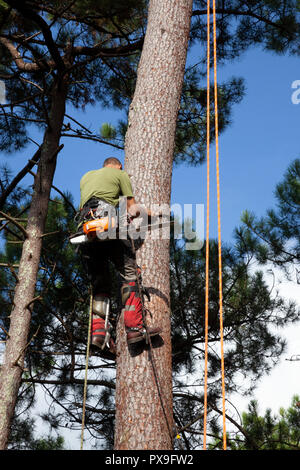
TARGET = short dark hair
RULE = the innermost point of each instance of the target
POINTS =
(111, 161)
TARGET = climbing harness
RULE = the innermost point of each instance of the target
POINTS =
(95, 218)
(219, 225)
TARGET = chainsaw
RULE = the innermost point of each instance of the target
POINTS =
(95, 228)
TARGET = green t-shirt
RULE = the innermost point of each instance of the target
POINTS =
(107, 184)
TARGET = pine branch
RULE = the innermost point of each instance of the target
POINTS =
(73, 381)
(39, 21)
(16, 362)
(16, 56)
(213, 407)
(19, 176)
(100, 51)
(21, 101)
(93, 138)
(62, 195)
(12, 220)
(7, 265)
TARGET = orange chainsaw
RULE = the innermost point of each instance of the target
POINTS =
(101, 225)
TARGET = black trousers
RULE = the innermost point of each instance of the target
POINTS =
(96, 257)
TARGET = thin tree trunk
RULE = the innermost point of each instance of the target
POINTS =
(144, 415)
(13, 362)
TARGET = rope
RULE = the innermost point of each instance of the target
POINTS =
(219, 220)
(219, 223)
(86, 371)
(207, 227)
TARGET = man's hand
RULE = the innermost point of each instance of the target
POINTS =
(138, 210)
(132, 208)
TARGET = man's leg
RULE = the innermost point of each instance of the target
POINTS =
(96, 262)
(124, 259)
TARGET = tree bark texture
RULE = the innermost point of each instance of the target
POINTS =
(13, 362)
(142, 421)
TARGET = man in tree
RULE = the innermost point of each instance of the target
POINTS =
(100, 196)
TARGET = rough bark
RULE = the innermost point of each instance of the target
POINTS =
(141, 420)
(13, 361)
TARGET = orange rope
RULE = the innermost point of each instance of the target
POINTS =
(219, 220)
(207, 223)
(207, 226)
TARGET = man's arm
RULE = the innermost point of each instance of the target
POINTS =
(133, 209)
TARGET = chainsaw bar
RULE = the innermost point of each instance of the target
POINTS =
(80, 237)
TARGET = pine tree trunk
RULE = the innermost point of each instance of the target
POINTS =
(13, 362)
(142, 422)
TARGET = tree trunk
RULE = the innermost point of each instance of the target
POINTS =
(144, 415)
(13, 362)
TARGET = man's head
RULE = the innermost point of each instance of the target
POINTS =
(112, 162)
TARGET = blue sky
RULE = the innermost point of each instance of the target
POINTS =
(257, 148)
(254, 151)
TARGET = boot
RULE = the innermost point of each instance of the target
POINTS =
(134, 335)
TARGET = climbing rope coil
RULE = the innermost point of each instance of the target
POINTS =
(148, 339)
